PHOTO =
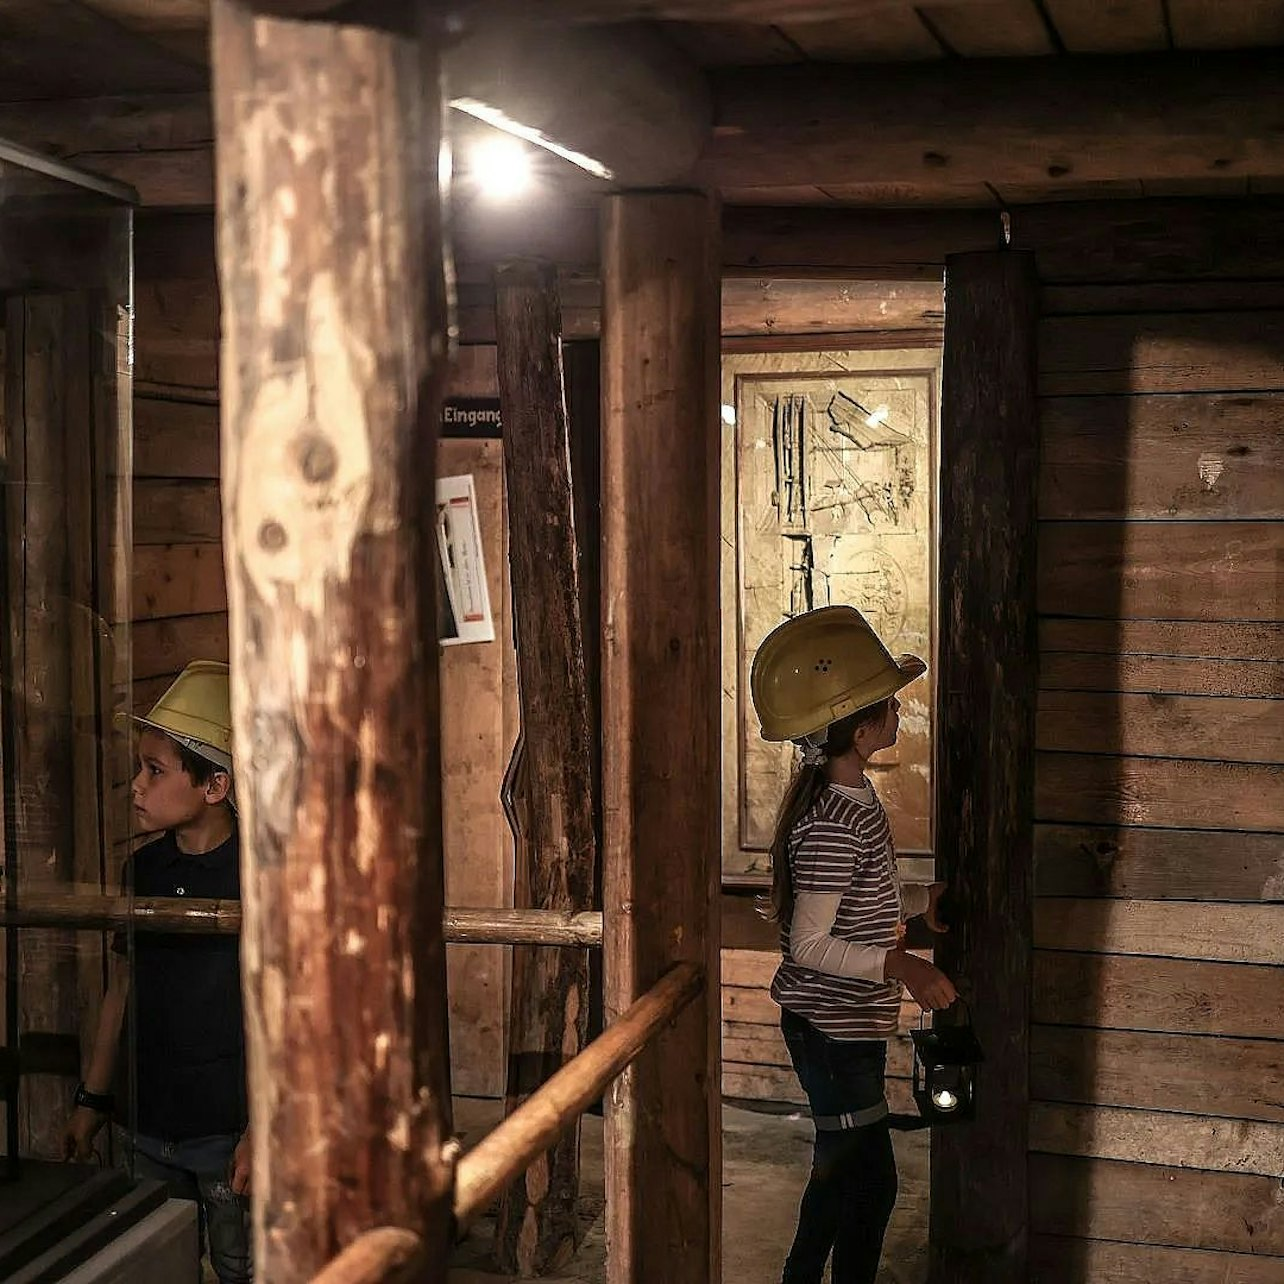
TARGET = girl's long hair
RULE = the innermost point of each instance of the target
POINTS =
(805, 787)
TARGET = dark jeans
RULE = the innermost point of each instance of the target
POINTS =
(852, 1188)
(198, 1170)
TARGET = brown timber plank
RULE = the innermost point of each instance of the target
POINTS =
(166, 645)
(175, 439)
(1176, 996)
(1061, 1259)
(1191, 570)
(1161, 726)
(1231, 1078)
(1174, 929)
(176, 332)
(1099, 789)
(1155, 352)
(178, 579)
(1195, 26)
(764, 1045)
(1232, 640)
(1107, 1199)
(767, 1083)
(1154, 864)
(1007, 29)
(1161, 296)
(1161, 456)
(755, 1006)
(177, 512)
(1160, 674)
(1158, 1137)
(1124, 26)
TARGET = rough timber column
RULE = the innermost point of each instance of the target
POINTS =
(987, 677)
(330, 255)
(660, 691)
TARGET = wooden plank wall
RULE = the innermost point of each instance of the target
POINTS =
(1157, 1124)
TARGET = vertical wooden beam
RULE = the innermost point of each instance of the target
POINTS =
(44, 381)
(660, 679)
(988, 662)
(539, 1226)
(333, 290)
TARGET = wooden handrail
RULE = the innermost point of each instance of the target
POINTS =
(385, 1255)
(96, 912)
(507, 1151)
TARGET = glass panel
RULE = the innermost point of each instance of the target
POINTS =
(65, 552)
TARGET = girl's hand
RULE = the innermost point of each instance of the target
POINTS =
(239, 1169)
(934, 893)
(929, 986)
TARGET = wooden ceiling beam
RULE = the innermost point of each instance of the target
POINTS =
(1029, 122)
(763, 12)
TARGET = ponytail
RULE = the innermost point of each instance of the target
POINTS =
(805, 787)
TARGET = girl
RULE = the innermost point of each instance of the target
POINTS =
(826, 682)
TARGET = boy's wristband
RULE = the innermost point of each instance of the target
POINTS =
(103, 1102)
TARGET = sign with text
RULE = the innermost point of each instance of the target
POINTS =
(470, 417)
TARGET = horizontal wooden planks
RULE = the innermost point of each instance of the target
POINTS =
(1159, 725)
(169, 511)
(1179, 675)
(1097, 789)
(1229, 1077)
(1150, 1203)
(1154, 352)
(178, 579)
(1158, 1137)
(166, 645)
(1155, 864)
(175, 439)
(1057, 1259)
(1161, 296)
(764, 1045)
(1176, 996)
(176, 333)
(1173, 929)
(770, 1083)
(1177, 457)
(1228, 640)
(1213, 571)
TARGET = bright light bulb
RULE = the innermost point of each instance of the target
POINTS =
(501, 168)
(729, 416)
(944, 1099)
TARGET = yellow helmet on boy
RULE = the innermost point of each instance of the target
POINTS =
(196, 710)
(821, 666)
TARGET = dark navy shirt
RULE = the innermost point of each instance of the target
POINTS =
(187, 1019)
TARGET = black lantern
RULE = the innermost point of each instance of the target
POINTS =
(945, 1061)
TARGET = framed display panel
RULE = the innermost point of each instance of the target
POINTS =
(828, 498)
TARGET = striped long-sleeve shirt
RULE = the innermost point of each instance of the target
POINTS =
(842, 860)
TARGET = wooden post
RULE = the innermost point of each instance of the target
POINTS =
(539, 1227)
(660, 671)
(987, 681)
(333, 291)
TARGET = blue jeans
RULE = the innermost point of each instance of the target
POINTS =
(852, 1188)
(198, 1170)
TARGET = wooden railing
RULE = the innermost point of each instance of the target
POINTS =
(93, 912)
(390, 1255)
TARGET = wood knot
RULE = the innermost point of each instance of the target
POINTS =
(317, 457)
(272, 537)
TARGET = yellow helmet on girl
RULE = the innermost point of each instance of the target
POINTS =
(821, 666)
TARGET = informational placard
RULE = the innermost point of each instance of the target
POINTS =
(463, 602)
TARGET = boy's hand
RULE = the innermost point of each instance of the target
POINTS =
(239, 1170)
(931, 988)
(78, 1136)
(934, 893)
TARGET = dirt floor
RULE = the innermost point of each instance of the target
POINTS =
(765, 1163)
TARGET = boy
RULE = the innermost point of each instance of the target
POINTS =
(190, 1088)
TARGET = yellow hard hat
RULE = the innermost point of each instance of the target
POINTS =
(821, 666)
(196, 711)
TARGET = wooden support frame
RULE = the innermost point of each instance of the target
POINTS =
(987, 688)
(334, 344)
(661, 690)
(539, 1224)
